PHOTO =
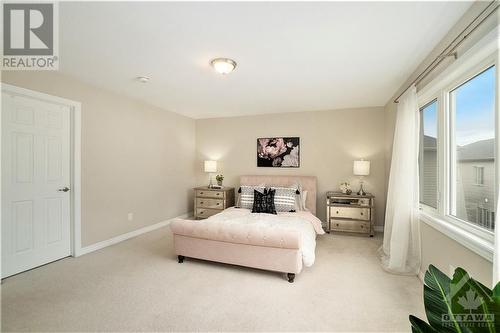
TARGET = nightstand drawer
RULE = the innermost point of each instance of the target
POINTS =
(209, 194)
(209, 203)
(350, 226)
(364, 202)
(205, 212)
(350, 213)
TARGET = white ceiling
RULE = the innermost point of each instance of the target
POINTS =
(291, 56)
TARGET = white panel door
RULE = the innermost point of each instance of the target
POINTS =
(36, 224)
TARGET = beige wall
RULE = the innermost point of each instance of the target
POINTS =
(437, 248)
(330, 141)
(443, 252)
(152, 178)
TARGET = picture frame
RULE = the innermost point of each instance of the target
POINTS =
(278, 152)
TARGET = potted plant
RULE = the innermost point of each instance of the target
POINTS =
(457, 305)
(219, 179)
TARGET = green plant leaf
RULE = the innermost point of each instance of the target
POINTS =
(496, 300)
(420, 326)
(458, 305)
(437, 302)
(496, 290)
(470, 296)
(435, 279)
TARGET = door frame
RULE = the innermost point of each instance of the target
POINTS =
(75, 153)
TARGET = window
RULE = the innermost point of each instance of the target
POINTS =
(428, 159)
(472, 139)
(459, 116)
(479, 171)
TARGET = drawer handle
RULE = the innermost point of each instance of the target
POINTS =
(201, 192)
(337, 212)
(201, 212)
(218, 203)
(361, 213)
(337, 224)
(217, 193)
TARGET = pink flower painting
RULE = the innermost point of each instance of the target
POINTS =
(278, 152)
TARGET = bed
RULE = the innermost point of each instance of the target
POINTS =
(283, 243)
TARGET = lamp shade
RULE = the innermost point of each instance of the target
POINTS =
(361, 168)
(210, 166)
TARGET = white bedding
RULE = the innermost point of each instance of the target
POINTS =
(304, 222)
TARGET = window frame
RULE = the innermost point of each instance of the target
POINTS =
(479, 58)
(421, 151)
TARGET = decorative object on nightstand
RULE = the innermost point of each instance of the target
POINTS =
(350, 213)
(210, 201)
(361, 168)
(210, 167)
(219, 179)
(345, 188)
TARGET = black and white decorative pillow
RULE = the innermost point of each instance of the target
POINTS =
(246, 196)
(285, 199)
(264, 202)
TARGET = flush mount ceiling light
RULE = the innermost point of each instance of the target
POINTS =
(143, 79)
(223, 65)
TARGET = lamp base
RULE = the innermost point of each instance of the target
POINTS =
(361, 190)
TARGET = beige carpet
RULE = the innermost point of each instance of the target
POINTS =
(138, 285)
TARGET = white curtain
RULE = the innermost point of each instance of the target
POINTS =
(400, 253)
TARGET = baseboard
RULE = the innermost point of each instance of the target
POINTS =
(378, 228)
(128, 235)
(421, 276)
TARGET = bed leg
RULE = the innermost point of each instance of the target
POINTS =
(291, 277)
(180, 259)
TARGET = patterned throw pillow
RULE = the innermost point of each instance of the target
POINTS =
(285, 199)
(264, 202)
(246, 196)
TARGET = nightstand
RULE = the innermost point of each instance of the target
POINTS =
(210, 201)
(350, 213)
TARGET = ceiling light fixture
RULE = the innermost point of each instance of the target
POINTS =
(223, 65)
(143, 79)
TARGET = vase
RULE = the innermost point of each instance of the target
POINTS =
(219, 182)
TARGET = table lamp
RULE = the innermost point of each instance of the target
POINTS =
(361, 168)
(210, 167)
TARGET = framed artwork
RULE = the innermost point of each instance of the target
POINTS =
(282, 152)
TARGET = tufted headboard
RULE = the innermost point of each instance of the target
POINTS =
(308, 184)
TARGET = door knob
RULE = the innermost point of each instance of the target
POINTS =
(64, 189)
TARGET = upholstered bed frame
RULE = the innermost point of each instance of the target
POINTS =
(275, 250)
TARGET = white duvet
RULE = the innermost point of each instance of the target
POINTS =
(304, 222)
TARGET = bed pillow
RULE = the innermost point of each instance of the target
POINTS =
(285, 199)
(245, 197)
(264, 202)
(298, 197)
(303, 198)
